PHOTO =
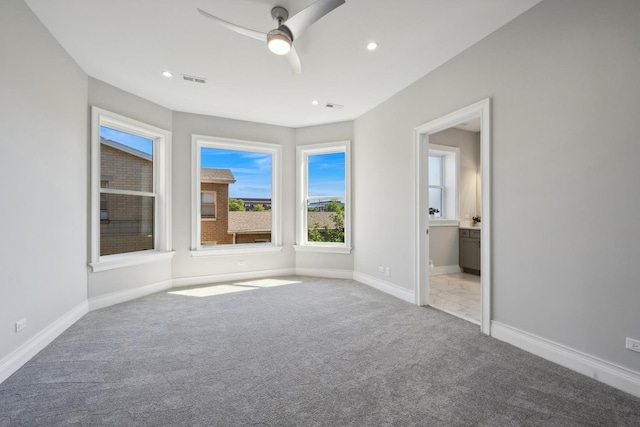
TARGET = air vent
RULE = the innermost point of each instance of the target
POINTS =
(193, 78)
(334, 106)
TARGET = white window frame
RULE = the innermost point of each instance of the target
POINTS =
(275, 150)
(302, 179)
(450, 181)
(161, 191)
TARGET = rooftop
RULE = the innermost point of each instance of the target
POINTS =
(223, 176)
(260, 222)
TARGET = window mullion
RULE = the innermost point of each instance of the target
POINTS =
(127, 192)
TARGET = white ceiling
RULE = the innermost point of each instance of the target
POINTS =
(129, 43)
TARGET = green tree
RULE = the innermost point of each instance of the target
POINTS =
(335, 234)
(315, 235)
(236, 205)
(258, 208)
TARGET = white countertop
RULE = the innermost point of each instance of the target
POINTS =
(470, 227)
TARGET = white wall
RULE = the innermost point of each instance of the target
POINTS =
(307, 262)
(123, 280)
(563, 83)
(43, 180)
(184, 265)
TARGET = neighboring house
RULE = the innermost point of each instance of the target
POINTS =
(214, 206)
(255, 227)
(250, 226)
(126, 222)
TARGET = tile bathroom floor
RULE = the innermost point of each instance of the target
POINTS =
(457, 294)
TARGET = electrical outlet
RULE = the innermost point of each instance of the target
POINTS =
(387, 271)
(242, 262)
(21, 324)
(381, 269)
(633, 344)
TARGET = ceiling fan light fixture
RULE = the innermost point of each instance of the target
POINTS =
(279, 42)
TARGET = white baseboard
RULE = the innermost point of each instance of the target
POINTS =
(325, 272)
(230, 277)
(445, 269)
(616, 376)
(14, 360)
(386, 287)
(103, 301)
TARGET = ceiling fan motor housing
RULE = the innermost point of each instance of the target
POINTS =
(279, 14)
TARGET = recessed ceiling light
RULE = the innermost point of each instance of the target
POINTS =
(167, 74)
(314, 102)
(372, 46)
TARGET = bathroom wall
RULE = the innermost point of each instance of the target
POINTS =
(469, 144)
(443, 249)
(443, 240)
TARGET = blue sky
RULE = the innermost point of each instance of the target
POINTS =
(326, 175)
(139, 143)
(251, 170)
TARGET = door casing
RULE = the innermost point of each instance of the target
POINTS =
(480, 109)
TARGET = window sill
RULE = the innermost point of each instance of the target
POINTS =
(444, 223)
(326, 249)
(246, 249)
(112, 262)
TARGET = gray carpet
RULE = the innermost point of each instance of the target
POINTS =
(317, 352)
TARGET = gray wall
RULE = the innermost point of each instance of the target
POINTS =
(563, 83)
(43, 178)
(110, 98)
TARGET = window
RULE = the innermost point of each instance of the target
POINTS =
(208, 204)
(130, 183)
(443, 181)
(436, 185)
(324, 208)
(237, 184)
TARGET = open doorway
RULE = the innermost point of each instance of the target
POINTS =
(451, 191)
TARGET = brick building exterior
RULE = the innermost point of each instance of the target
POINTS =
(126, 221)
(215, 230)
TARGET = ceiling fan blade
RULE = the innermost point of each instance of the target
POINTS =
(303, 19)
(238, 29)
(294, 61)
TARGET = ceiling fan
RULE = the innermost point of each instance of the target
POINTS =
(280, 40)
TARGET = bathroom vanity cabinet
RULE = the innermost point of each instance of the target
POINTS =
(470, 250)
